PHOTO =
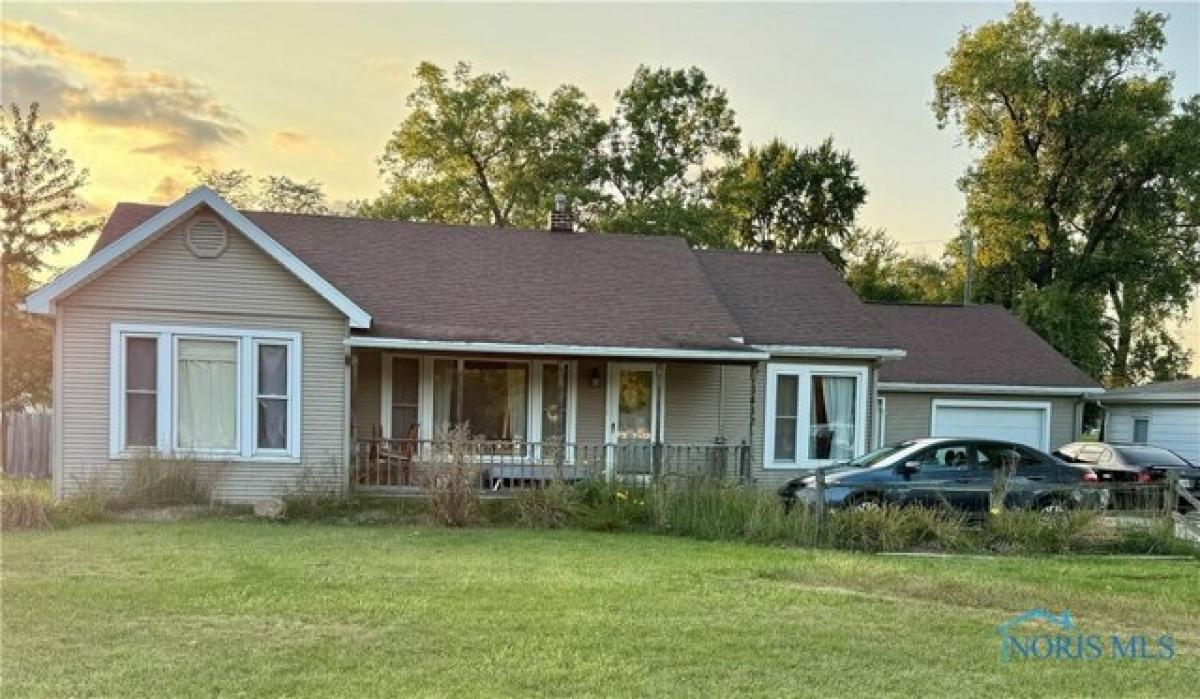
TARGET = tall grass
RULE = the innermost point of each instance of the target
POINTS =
(161, 482)
(705, 509)
(452, 491)
(24, 504)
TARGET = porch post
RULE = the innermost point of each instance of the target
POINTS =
(560, 453)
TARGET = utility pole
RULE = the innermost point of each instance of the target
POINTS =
(969, 245)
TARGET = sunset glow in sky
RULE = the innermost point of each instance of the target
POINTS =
(142, 93)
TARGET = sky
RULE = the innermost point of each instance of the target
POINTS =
(142, 93)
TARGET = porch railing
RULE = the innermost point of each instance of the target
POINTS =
(409, 463)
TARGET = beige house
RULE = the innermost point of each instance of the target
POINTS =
(338, 351)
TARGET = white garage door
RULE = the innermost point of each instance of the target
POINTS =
(1024, 423)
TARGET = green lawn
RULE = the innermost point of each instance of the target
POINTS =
(243, 608)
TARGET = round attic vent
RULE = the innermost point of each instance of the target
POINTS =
(206, 238)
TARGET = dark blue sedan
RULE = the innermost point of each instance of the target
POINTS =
(951, 472)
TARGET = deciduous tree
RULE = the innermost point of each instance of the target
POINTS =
(786, 199)
(672, 132)
(1081, 196)
(477, 150)
(42, 212)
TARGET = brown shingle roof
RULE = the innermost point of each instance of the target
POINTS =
(457, 283)
(795, 299)
(971, 345)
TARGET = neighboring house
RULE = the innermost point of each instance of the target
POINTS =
(976, 371)
(1164, 414)
(293, 347)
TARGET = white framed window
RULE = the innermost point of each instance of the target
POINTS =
(275, 387)
(219, 392)
(504, 400)
(815, 414)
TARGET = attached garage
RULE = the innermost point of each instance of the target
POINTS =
(976, 371)
(1024, 422)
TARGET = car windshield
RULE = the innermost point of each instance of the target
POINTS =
(1150, 456)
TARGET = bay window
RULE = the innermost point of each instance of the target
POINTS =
(206, 391)
(816, 414)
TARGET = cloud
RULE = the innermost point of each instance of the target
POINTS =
(172, 116)
(290, 140)
(168, 189)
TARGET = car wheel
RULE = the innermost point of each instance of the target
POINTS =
(866, 503)
(1054, 507)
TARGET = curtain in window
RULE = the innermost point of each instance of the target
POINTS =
(207, 394)
(553, 410)
(445, 395)
(833, 417)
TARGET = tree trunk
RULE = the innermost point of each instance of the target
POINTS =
(1123, 309)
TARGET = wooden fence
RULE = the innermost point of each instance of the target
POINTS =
(27, 444)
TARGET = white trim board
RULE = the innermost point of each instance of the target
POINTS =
(43, 300)
(996, 389)
(832, 352)
(1045, 407)
(563, 350)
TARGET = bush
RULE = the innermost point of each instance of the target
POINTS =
(551, 507)
(611, 506)
(24, 505)
(88, 506)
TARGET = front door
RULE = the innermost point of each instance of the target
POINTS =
(632, 417)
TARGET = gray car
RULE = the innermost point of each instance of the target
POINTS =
(950, 472)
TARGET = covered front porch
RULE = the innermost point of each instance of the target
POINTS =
(521, 420)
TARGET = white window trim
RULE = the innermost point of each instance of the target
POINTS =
(1044, 406)
(292, 449)
(425, 393)
(880, 421)
(167, 410)
(804, 374)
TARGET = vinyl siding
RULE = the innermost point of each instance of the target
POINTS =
(909, 415)
(1174, 427)
(165, 284)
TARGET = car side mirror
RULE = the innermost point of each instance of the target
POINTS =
(909, 467)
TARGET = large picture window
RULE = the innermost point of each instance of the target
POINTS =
(815, 414)
(207, 391)
(206, 381)
(510, 401)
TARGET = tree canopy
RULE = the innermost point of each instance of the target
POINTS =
(42, 212)
(1082, 197)
(474, 149)
(278, 193)
(785, 199)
